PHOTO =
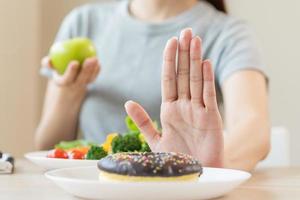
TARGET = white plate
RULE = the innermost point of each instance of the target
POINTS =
(40, 158)
(83, 182)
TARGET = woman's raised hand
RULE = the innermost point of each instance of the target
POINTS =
(190, 119)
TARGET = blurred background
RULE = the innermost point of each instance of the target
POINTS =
(29, 27)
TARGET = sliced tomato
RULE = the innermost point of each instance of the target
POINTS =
(76, 154)
(58, 153)
(84, 150)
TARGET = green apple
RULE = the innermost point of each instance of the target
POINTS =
(62, 53)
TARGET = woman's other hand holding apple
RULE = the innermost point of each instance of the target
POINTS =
(75, 78)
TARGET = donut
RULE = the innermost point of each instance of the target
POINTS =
(149, 166)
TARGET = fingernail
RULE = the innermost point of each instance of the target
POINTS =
(189, 29)
(185, 31)
(74, 65)
(128, 103)
(75, 62)
(92, 61)
(208, 61)
(171, 40)
(196, 42)
(198, 38)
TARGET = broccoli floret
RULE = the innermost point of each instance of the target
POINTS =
(130, 142)
(96, 153)
(145, 147)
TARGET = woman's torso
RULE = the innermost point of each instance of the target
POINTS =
(130, 53)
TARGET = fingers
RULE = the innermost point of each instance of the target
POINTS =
(209, 90)
(183, 70)
(87, 71)
(196, 76)
(169, 88)
(143, 121)
(70, 74)
(75, 74)
(95, 73)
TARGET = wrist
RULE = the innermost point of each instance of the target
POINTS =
(65, 99)
(71, 95)
(215, 162)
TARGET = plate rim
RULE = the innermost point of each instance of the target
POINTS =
(30, 156)
(246, 176)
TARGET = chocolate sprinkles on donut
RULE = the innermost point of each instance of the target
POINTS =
(149, 166)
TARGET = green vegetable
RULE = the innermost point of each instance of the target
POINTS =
(130, 124)
(130, 142)
(73, 144)
(96, 153)
(145, 147)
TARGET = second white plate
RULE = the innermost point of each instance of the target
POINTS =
(84, 182)
(40, 158)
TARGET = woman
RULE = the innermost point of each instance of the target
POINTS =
(130, 37)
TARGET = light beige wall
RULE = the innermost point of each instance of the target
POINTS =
(19, 47)
(27, 29)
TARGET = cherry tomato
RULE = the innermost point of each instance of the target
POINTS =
(58, 153)
(81, 149)
(77, 155)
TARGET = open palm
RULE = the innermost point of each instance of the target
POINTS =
(190, 118)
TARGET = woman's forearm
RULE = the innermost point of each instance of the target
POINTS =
(247, 119)
(60, 117)
(64, 96)
(247, 143)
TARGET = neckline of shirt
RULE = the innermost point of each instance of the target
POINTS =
(198, 12)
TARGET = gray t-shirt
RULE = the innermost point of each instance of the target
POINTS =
(130, 53)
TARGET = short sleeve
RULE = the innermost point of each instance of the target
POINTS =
(67, 30)
(239, 50)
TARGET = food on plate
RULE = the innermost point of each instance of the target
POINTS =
(131, 126)
(126, 143)
(58, 153)
(76, 155)
(131, 141)
(69, 145)
(96, 153)
(145, 146)
(149, 166)
(83, 150)
(107, 144)
(62, 53)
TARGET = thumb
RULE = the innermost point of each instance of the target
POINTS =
(143, 121)
(46, 62)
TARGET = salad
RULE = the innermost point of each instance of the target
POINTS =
(131, 141)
